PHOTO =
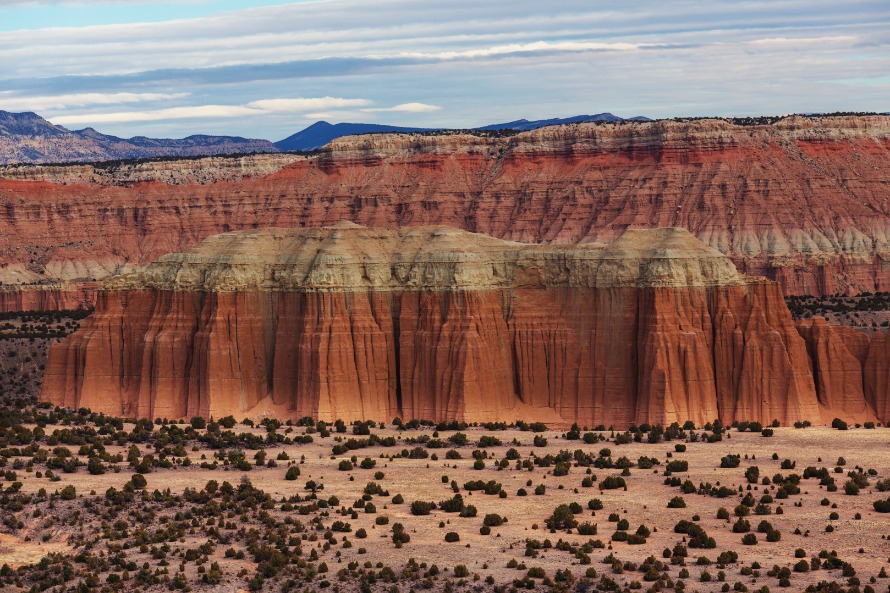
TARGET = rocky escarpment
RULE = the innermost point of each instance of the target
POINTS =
(197, 171)
(432, 322)
(851, 369)
(802, 201)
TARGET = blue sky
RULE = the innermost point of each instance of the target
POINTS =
(269, 68)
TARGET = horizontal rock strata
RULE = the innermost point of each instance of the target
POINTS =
(357, 323)
(802, 201)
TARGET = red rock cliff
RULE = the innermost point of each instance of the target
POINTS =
(851, 370)
(803, 201)
(349, 322)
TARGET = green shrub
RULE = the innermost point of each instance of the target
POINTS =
(677, 502)
(420, 507)
(882, 506)
(561, 518)
(613, 483)
(587, 528)
(677, 465)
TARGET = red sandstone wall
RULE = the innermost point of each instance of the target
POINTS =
(851, 370)
(40, 298)
(603, 356)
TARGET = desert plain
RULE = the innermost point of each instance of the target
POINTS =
(217, 506)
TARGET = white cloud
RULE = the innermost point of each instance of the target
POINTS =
(194, 112)
(306, 104)
(789, 42)
(406, 108)
(514, 48)
(301, 105)
(11, 102)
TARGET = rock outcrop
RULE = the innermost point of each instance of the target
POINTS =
(802, 201)
(196, 171)
(851, 370)
(433, 322)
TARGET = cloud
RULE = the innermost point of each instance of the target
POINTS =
(794, 41)
(485, 61)
(193, 112)
(406, 108)
(12, 102)
(518, 48)
(254, 108)
(303, 104)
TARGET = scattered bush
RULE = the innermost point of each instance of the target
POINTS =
(677, 502)
(420, 507)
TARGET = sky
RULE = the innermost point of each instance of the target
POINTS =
(267, 69)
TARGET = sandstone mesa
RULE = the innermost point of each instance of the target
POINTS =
(442, 324)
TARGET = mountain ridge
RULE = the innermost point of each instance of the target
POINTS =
(28, 138)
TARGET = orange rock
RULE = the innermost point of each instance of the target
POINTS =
(354, 323)
(838, 356)
(877, 375)
(58, 297)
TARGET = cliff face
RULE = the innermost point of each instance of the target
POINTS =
(851, 370)
(350, 322)
(196, 171)
(803, 201)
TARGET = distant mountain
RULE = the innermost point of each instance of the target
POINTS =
(140, 146)
(524, 125)
(28, 138)
(321, 132)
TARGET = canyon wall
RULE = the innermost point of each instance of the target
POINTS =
(192, 171)
(433, 322)
(802, 201)
(851, 370)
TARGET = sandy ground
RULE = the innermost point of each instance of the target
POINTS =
(861, 542)
(16, 551)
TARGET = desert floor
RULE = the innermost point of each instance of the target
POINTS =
(863, 543)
